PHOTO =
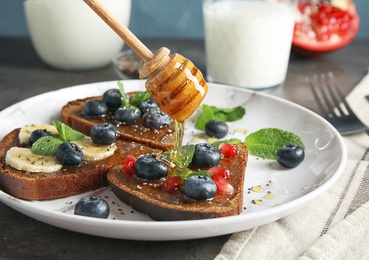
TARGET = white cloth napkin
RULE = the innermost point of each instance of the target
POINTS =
(333, 226)
(357, 100)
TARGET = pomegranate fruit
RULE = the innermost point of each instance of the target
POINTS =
(228, 150)
(218, 170)
(324, 26)
(223, 186)
(129, 165)
(172, 183)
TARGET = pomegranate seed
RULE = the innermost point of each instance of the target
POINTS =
(228, 150)
(218, 170)
(223, 186)
(172, 183)
(325, 20)
(129, 165)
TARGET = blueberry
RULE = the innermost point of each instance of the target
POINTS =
(290, 156)
(104, 133)
(206, 155)
(95, 108)
(127, 115)
(37, 134)
(148, 167)
(199, 187)
(112, 98)
(92, 207)
(147, 105)
(69, 154)
(155, 118)
(216, 129)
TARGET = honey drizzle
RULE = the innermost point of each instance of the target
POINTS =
(178, 128)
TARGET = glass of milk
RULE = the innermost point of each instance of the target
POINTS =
(248, 42)
(68, 35)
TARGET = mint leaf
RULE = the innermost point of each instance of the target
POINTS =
(138, 98)
(229, 141)
(266, 142)
(66, 132)
(187, 173)
(229, 114)
(46, 145)
(125, 101)
(218, 114)
(183, 173)
(200, 173)
(206, 115)
(183, 156)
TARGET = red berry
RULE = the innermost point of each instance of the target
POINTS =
(222, 171)
(228, 150)
(129, 165)
(172, 183)
(223, 186)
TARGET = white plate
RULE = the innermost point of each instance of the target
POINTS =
(324, 162)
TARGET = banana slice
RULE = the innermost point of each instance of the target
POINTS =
(95, 152)
(24, 160)
(25, 131)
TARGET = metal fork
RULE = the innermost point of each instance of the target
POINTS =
(333, 105)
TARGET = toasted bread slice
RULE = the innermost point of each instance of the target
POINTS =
(161, 138)
(151, 198)
(64, 182)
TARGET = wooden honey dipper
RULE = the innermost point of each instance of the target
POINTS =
(173, 81)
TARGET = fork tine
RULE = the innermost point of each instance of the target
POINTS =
(321, 106)
(333, 105)
(340, 94)
(335, 94)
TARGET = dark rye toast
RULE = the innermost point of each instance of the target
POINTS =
(161, 138)
(150, 197)
(65, 182)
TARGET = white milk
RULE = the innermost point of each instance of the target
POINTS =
(67, 34)
(247, 42)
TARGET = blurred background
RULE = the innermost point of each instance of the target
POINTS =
(151, 19)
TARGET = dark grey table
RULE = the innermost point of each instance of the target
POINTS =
(23, 75)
